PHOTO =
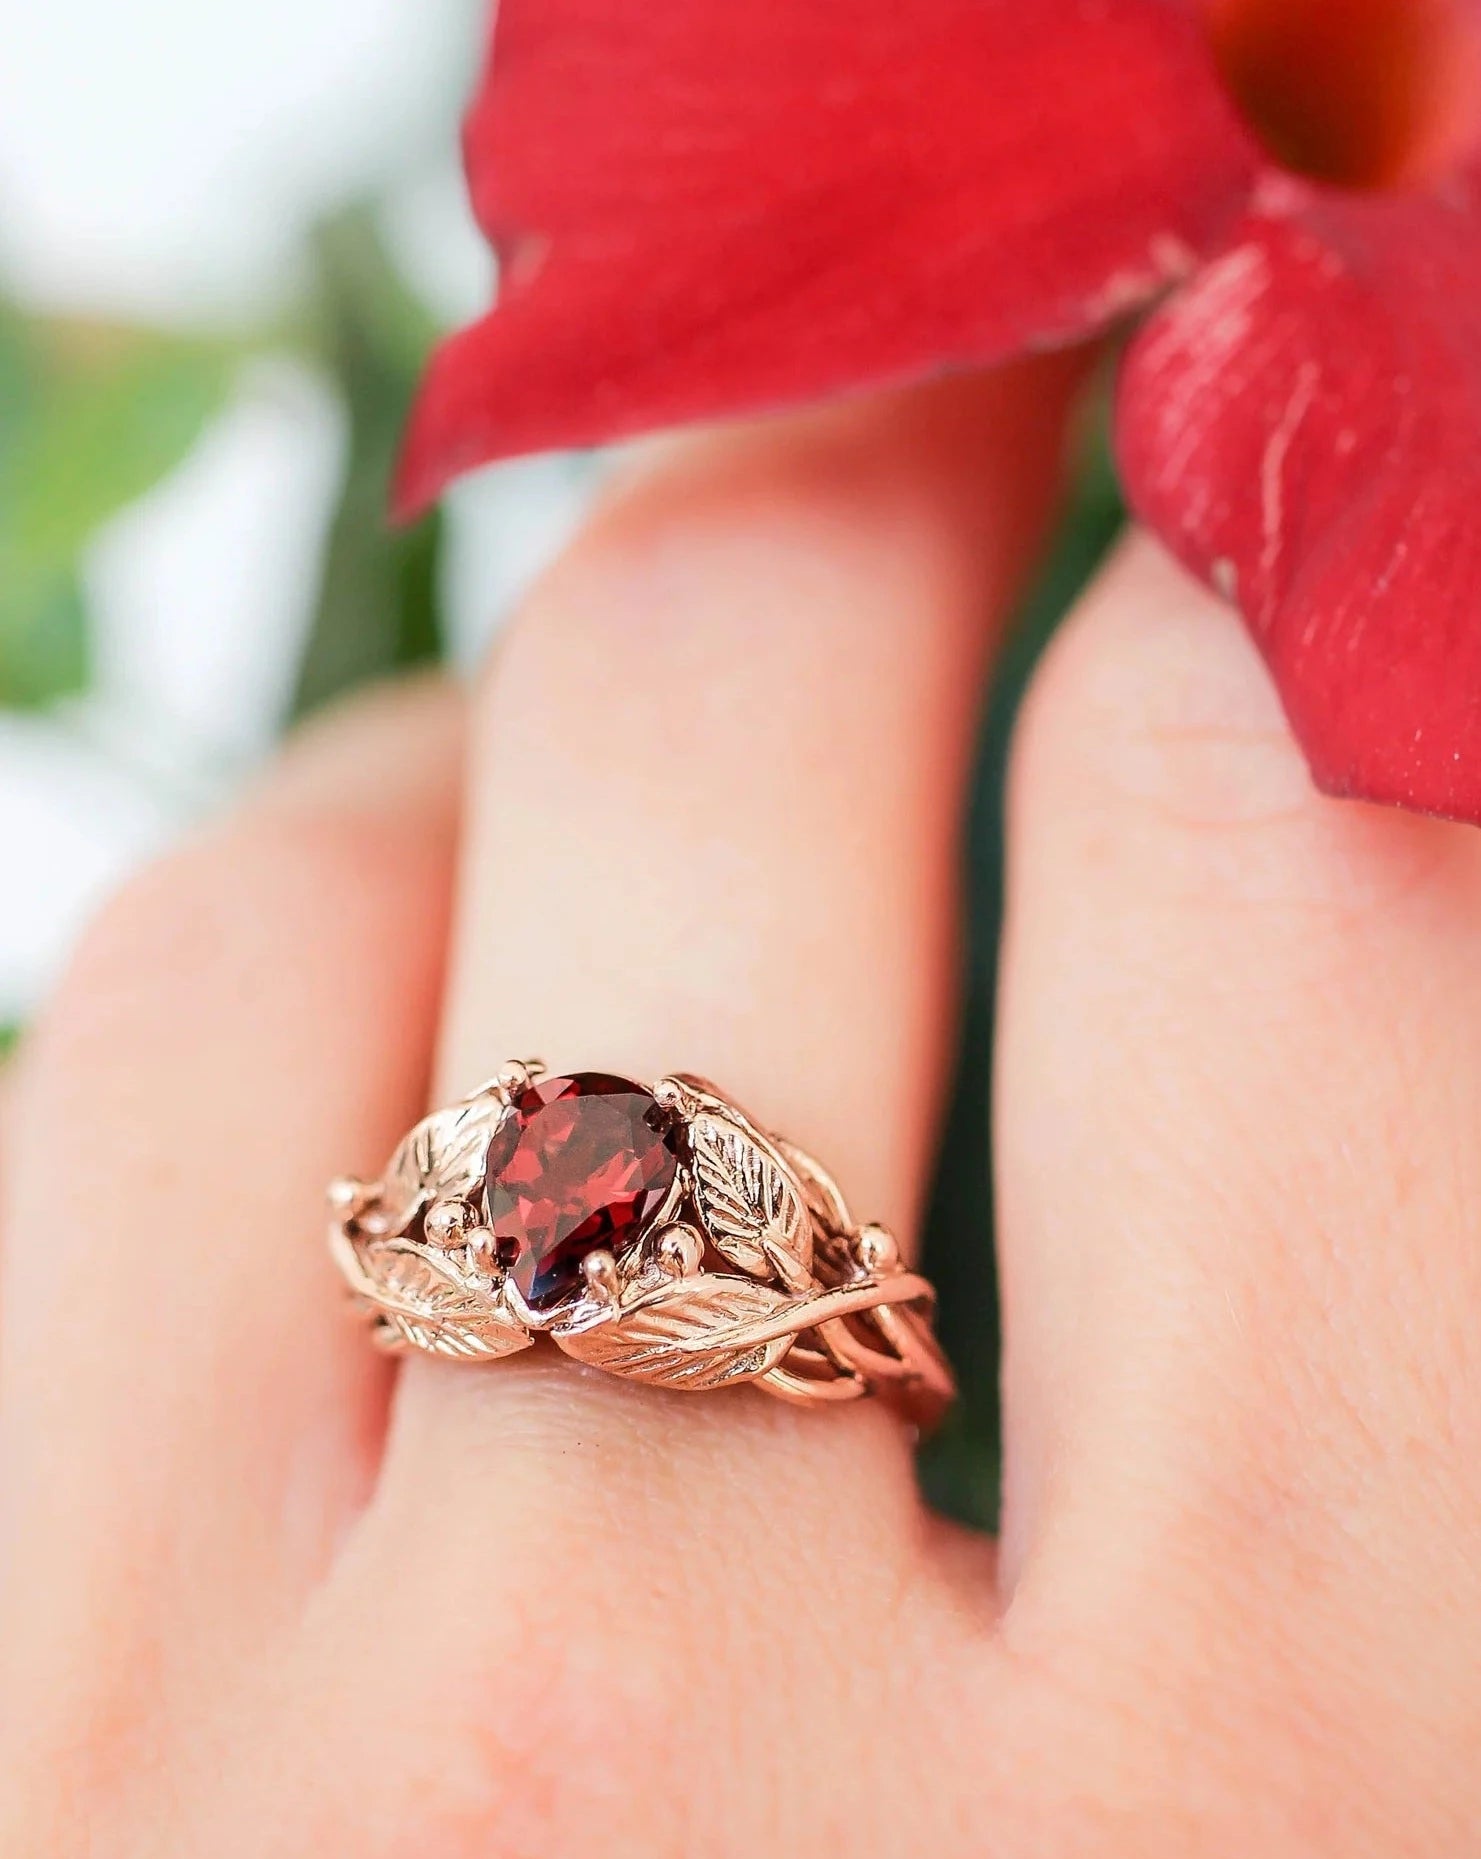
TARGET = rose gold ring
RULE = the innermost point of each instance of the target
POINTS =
(658, 1234)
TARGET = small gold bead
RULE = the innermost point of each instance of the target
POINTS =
(877, 1248)
(348, 1195)
(599, 1269)
(483, 1251)
(680, 1251)
(447, 1222)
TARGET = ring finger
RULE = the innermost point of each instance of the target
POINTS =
(713, 825)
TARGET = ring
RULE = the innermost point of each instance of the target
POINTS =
(658, 1234)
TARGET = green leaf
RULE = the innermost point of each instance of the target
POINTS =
(377, 609)
(91, 416)
(43, 641)
(116, 410)
(9, 1038)
(17, 376)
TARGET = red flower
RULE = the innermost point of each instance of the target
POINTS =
(710, 206)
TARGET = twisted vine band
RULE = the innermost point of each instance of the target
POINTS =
(657, 1234)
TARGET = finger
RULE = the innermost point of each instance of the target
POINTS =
(7, 1137)
(1238, 1091)
(8, 1066)
(714, 823)
(186, 1420)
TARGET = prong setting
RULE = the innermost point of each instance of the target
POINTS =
(447, 1223)
(674, 1096)
(658, 1232)
(519, 1075)
(523, 1312)
(349, 1196)
(483, 1253)
(602, 1279)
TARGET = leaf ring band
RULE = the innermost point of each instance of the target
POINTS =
(658, 1234)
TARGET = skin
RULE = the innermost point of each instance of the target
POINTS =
(261, 1592)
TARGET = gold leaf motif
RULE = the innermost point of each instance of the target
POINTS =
(748, 1200)
(831, 1221)
(694, 1334)
(824, 1199)
(442, 1159)
(428, 1301)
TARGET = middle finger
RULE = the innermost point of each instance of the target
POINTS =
(1238, 1094)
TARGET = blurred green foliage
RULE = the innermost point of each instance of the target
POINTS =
(91, 415)
(377, 607)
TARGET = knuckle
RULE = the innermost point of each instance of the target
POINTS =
(205, 929)
(1168, 712)
(1153, 728)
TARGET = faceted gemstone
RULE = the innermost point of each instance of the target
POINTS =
(581, 1163)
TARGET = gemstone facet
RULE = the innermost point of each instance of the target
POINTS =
(579, 1163)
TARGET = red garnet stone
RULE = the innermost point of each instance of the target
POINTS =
(581, 1163)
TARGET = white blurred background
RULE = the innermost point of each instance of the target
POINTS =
(227, 234)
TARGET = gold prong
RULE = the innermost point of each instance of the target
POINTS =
(603, 1284)
(522, 1313)
(507, 1083)
(447, 1222)
(674, 1096)
(519, 1075)
(482, 1250)
(348, 1196)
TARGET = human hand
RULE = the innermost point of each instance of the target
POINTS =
(261, 1593)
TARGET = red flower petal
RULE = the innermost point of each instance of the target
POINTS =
(705, 206)
(1303, 426)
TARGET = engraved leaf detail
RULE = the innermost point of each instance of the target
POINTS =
(748, 1199)
(694, 1335)
(441, 1159)
(425, 1298)
(833, 1254)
